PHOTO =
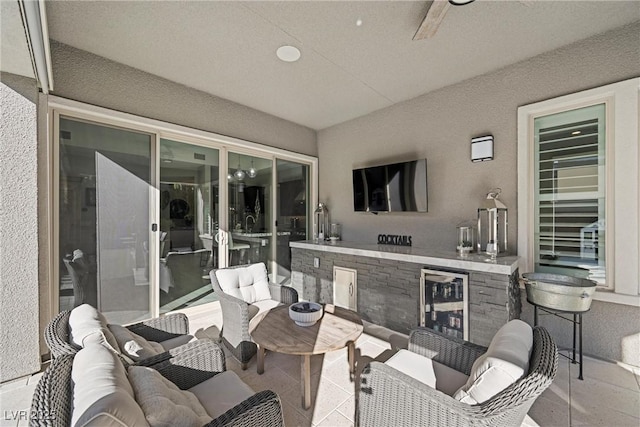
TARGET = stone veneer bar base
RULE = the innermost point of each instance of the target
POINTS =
(389, 291)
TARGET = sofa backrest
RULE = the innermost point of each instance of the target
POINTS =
(250, 283)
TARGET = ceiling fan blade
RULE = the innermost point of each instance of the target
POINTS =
(432, 20)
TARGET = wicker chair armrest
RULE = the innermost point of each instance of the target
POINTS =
(262, 409)
(53, 396)
(283, 294)
(453, 352)
(162, 328)
(235, 313)
(389, 397)
(153, 360)
(57, 336)
(192, 363)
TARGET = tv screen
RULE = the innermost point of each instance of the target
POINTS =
(397, 187)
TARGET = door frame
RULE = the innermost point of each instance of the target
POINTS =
(58, 106)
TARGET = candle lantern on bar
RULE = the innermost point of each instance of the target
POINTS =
(466, 233)
(492, 225)
(321, 223)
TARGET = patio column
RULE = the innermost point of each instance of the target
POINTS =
(19, 313)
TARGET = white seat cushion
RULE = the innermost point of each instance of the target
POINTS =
(221, 393)
(249, 284)
(504, 363)
(133, 345)
(86, 324)
(102, 395)
(434, 374)
(257, 308)
(163, 403)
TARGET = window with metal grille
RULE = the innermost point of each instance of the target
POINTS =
(569, 185)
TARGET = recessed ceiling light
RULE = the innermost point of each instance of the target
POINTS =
(167, 161)
(288, 53)
(358, 22)
(576, 132)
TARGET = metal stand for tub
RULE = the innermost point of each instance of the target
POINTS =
(577, 324)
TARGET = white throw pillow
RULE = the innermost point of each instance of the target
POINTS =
(249, 284)
(102, 395)
(163, 403)
(504, 363)
(88, 325)
(133, 345)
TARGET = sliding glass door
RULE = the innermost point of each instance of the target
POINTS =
(104, 219)
(188, 248)
(250, 217)
(142, 218)
(292, 212)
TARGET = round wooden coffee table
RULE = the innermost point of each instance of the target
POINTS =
(275, 331)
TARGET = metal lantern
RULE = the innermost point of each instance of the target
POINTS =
(321, 223)
(492, 225)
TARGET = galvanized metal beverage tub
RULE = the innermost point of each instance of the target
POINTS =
(559, 292)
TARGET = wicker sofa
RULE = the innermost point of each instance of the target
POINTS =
(244, 292)
(94, 388)
(391, 395)
(169, 334)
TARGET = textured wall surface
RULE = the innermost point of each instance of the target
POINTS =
(388, 292)
(85, 77)
(609, 331)
(439, 125)
(19, 333)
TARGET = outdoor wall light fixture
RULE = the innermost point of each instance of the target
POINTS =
(482, 148)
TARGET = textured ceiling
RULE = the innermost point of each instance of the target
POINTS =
(346, 71)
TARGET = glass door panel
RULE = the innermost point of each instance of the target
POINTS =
(188, 223)
(444, 302)
(250, 210)
(104, 226)
(292, 206)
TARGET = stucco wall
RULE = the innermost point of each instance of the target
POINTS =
(19, 334)
(439, 126)
(82, 76)
(609, 331)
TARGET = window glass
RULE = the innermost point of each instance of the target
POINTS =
(570, 223)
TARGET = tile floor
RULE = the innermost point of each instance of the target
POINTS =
(608, 396)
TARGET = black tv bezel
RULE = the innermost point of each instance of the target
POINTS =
(388, 210)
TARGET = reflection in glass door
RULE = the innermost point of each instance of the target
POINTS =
(104, 193)
(293, 217)
(188, 223)
(250, 212)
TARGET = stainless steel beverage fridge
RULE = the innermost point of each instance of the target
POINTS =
(444, 303)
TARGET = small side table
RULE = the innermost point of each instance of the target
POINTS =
(577, 324)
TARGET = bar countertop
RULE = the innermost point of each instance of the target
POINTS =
(427, 257)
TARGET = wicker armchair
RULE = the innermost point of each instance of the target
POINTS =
(58, 339)
(236, 315)
(52, 404)
(388, 397)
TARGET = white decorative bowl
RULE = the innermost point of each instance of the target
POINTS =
(305, 313)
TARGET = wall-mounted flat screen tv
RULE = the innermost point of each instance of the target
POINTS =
(397, 187)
